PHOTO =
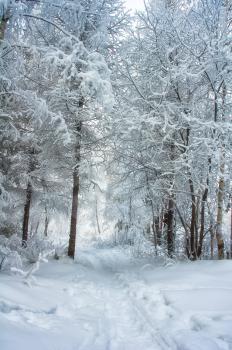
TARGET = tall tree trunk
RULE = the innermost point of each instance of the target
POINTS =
(5, 18)
(158, 230)
(3, 23)
(170, 227)
(193, 221)
(73, 225)
(26, 215)
(75, 194)
(154, 234)
(170, 215)
(2, 28)
(212, 233)
(198, 202)
(202, 220)
(36, 228)
(219, 233)
(46, 223)
(221, 188)
(153, 226)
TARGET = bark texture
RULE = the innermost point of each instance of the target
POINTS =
(221, 187)
(219, 233)
(202, 223)
(75, 195)
(3, 23)
(73, 225)
(26, 215)
(169, 220)
(193, 222)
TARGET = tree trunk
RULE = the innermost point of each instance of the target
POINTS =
(212, 233)
(158, 230)
(170, 213)
(170, 227)
(27, 205)
(187, 246)
(153, 226)
(154, 234)
(196, 224)
(46, 223)
(3, 23)
(73, 226)
(202, 219)
(26, 215)
(36, 228)
(75, 194)
(5, 18)
(221, 188)
(193, 221)
(2, 28)
(219, 233)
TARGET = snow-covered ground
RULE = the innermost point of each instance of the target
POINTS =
(109, 301)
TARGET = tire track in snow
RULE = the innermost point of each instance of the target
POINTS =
(131, 292)
(138, 321)
(122, 316)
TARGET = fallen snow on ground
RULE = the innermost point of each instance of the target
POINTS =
(109, 301)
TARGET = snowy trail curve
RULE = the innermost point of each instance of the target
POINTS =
(107, 301)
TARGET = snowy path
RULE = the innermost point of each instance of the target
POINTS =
(106, 301)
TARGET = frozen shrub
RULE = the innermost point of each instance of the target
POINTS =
(37, 247)
(9, 256)
(15, 243)
(142, 247)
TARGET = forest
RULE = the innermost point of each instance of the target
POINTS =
(115, 174)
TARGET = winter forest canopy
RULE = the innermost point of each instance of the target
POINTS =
(127, 116)
(115, 169)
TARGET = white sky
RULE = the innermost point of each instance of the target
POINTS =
(134, 4)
